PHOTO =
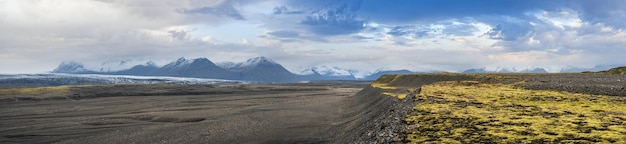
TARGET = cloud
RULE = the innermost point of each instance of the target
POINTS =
(358, 37)
(609, 12)
(559, 32)
(402, 30)
(180, 34)
(284, 10)
(436, 10)
(284, 34)
(334, 21)
(289, 36)
(227, 10)
(512, 21)
(509, 31)
(456, 29)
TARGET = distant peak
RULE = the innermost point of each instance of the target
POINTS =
(70, 67)
(181, 59)
(260, 59)
(151, 63)
(257, 61)
(326, 70)
(70, 63)
(201, 59)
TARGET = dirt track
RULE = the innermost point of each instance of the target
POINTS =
(224, 114)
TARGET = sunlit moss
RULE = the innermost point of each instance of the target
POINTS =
(33, 91)
(473, 112)
(397, 92)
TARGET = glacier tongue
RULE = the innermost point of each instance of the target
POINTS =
(226, 65)
(74, 79)
(325, 70)
(114, 66)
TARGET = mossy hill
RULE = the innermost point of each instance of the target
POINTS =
(489, 108)
(616, 70)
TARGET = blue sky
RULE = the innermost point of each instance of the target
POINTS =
(365, 35)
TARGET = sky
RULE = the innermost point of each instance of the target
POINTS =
(364, 35)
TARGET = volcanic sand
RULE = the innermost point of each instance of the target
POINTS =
(295, 113)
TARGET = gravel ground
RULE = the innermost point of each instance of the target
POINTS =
(601, 84)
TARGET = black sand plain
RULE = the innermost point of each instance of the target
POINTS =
(241, 113)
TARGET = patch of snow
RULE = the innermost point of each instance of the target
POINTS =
(248, 63)
(331, 71)
(70, 67)
(499, 69)
(226, 65)
(181, 62)
(255, 61)
(120, 65)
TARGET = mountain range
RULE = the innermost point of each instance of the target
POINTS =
(260, 69)
(506, 70)
(566, 69)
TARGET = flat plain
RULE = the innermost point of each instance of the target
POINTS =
(162, 113)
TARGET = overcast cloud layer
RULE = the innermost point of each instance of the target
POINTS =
(419, 35)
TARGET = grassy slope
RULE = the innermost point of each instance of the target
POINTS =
(617, 70)
(34, 93)
(92, 91)
(472, 111)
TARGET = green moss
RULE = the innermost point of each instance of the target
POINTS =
(382, 83)
(617, 70)
(34, 91)
(473, 112)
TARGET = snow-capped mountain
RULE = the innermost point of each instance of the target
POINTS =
(256, 61)
(199, 68)
(327, 71)
(70, 67)
(260, 69)
(114, 66)
(179, 63)
(255, 69)
(536, 70)
(249, 64)
(582, 69)
(324, 72)
(505, 70)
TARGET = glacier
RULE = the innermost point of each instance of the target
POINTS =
(57, 79)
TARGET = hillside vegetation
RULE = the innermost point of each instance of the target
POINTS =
(456, 108)
(617, 70)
